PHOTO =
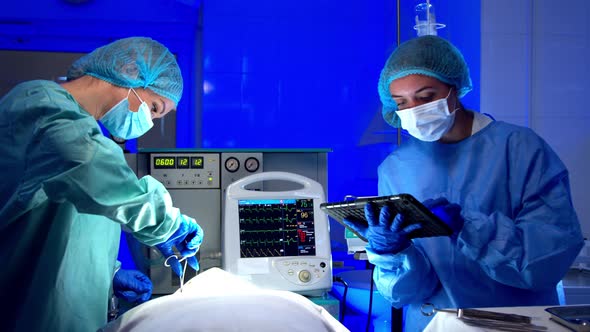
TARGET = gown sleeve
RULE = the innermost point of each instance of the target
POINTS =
(74, 162)
(533, 247)
(405, 277)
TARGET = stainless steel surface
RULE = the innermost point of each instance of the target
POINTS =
(498, 321)
(500, 325)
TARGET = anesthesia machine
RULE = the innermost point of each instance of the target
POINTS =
(197, 180)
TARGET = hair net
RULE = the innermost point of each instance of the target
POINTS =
(134, 62)
(427, 55)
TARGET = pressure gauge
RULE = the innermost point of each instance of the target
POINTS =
(252, 164)
(232, 164)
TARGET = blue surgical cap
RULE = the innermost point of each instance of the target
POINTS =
(427, 55)
(134, 62)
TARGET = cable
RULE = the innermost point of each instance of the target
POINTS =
(343, 300)
(183, 270)
(397, 317)
(369, 313)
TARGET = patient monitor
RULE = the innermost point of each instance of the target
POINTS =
(278, 239)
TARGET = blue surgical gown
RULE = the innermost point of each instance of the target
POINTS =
(521, 232)
(66, 190)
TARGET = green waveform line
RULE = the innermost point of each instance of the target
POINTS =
(267, 231)
(268, 220)
(260, 253)
(287, 208)
(269, 242)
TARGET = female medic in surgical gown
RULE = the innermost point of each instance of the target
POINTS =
(520, 231)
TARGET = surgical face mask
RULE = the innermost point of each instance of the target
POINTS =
(428, 122)
(122, 122)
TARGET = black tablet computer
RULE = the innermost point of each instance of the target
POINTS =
(576, 317)
(412, 210)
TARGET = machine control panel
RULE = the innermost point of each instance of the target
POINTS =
(305, 271)
(186, 170)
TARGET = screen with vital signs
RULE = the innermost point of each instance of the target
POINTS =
(276, 227)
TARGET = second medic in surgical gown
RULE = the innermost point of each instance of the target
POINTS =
(500, 186)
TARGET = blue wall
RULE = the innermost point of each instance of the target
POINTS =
(303, 74)
(299, 74)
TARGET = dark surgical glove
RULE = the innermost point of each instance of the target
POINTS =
(187, 240)
(449, 213)
(132, 286)
(385, 234)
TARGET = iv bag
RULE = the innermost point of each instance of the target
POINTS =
(426, 20)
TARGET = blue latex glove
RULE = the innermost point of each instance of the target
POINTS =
(187, 240)
(385, 234)
(132, 286)
(449, 213)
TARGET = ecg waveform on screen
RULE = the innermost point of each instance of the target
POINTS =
(269, 236)
(269, 220)
(269, 209)
(271, 228)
